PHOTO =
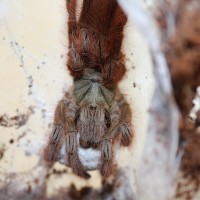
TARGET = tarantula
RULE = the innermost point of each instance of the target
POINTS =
(94, 108)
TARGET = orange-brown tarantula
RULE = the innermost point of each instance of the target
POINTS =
(94, 109)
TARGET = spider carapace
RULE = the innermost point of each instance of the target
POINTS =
(93, 110)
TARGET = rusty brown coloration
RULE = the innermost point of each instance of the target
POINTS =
(94, 108)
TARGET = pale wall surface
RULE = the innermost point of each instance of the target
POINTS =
(33, 42)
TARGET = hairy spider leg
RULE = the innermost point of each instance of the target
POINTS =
(120, 124)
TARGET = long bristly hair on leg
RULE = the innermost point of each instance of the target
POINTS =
(95, 40)
(96, 62)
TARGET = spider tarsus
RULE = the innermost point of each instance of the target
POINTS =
(77, 166)
(106, 168)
